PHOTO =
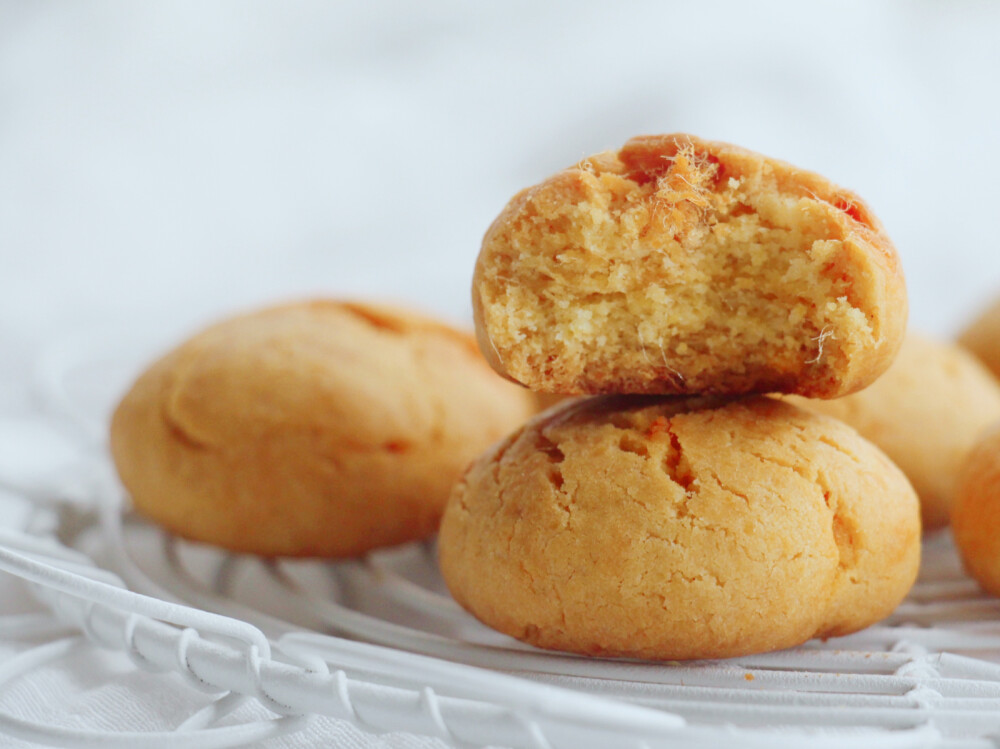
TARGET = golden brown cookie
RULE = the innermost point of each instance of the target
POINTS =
(982, 338)
(925, 412)
(677, 265)
(311, 429)
(677, 528)
(975, 513)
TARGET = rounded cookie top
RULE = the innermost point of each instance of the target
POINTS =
(320, 428)
(680, 528)
(678, 265)
(925, 412)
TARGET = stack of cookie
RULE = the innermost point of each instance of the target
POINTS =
(682, 513)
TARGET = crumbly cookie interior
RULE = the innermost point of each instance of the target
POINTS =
(671, 272)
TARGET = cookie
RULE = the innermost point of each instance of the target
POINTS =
(982, 338)
(673, 528)
(311, 429)
(677, 265)
(975, 514)
(925, 413)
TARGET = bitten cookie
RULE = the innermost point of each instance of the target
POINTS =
(677, 265)
(925, 412)
(982, 338)
(312, 429)
(676, 528)
(975, 514)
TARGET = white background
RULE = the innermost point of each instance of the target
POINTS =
(162, 164)
(175, 161)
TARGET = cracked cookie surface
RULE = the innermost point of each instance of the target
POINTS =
(678, 265)
(680, 528)
(926, 412)
(311, 429)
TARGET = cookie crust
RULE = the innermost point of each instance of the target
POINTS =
(982, 337)
(679, 265)
(926, 412)
(975, 514)
(671, 528)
